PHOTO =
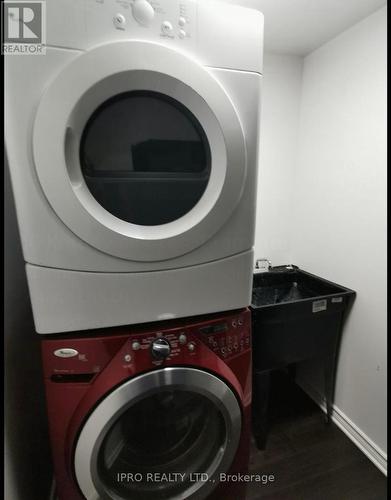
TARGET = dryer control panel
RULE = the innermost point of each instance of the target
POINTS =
(171, 22)
(173, 19)
(218, 34)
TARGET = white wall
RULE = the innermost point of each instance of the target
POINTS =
(278, 148)
(339, 205)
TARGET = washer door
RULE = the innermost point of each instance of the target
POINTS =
(140, 151)
(177, 421)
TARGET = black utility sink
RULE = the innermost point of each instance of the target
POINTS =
(289, 285)
(296, 316)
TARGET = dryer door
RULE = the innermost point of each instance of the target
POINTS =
(140, 151)
(183, 422)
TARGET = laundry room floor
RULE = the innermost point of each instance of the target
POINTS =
(310, 460)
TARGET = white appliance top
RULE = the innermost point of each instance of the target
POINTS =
(215, 33)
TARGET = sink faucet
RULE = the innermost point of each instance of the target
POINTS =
(263, 265)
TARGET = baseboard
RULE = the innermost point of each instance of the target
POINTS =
(354, 433)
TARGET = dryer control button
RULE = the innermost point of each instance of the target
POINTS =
(66, 352)
(191, 347)
(182, 21)
(143, 12)
(182, 34)
(167, 27)
(119, 21)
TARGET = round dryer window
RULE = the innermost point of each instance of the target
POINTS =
(145, 158)
(140, 151)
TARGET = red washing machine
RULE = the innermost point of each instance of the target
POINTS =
(151, 412)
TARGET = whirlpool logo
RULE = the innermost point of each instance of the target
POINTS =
(23, 28)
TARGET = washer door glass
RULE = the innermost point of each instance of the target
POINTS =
(145, 158)
(182, 422)
(176, 432)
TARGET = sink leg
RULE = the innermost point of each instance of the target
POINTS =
(261, 392)
(329, 385)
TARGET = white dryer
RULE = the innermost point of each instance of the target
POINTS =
(132, 147)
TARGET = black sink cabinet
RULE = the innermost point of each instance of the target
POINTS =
(296, 316)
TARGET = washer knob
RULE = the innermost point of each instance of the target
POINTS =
(160, 348)
(143, 12)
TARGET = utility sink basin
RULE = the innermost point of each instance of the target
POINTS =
(296, 315)
(289, 285)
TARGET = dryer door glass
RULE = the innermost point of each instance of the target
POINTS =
(179, 433)
(145, 158)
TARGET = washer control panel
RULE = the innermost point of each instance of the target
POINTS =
(228, 338)
(79, 359)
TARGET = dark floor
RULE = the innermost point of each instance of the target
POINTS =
(310, 460)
